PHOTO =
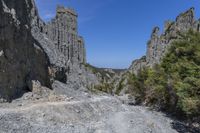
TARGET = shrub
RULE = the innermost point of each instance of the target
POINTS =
(175, 83)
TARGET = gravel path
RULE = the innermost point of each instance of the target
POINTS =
(95, 114)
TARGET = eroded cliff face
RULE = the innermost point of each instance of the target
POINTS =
(22, 58)
(159, 42)
(33, 51)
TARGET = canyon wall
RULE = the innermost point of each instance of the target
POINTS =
(22, 58)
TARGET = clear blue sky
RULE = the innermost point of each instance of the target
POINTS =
(116, 31)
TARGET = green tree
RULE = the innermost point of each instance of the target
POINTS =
(174, 84)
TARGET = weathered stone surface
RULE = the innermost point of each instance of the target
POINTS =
(137, 65)
(62, 31)
(22, 58)
(63, 34)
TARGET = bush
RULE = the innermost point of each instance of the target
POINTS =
(175, 83)
(182, 64)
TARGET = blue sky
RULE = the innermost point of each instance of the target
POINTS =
(116, 31)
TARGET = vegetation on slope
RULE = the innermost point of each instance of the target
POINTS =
(106, 78)
(173, 85)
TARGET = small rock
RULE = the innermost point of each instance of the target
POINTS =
(77, 111)
(1, 53)
(20, 104)
(196, 125)
(71, 98)
(71, 125)
(43, 115)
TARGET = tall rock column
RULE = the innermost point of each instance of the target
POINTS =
(63, 31)
(152, 47)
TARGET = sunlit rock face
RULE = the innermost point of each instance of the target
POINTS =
(62, 30)
(159, 42)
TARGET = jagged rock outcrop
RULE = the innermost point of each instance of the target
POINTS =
(22, 57)
(138, 64)
(158, 44)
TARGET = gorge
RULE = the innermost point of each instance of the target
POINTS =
(47, 86)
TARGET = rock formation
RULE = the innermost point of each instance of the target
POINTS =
(64, 33)
(158, 44)
(32, 51)
(138, 64)
(22, 57)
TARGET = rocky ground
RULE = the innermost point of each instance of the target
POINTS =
(79, 112)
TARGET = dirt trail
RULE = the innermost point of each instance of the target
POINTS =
(46, 104)
(97, 114)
